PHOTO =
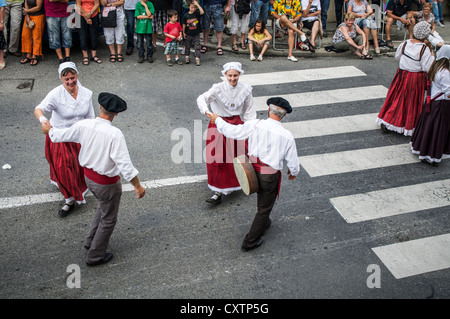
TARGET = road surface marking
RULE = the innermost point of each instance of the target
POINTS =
(416, 257)
(393, 201)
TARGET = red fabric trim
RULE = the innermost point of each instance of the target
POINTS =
(99, 178)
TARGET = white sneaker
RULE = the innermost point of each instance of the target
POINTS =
(252, 57)
(440, 24)
(292, 58)
(260, 58)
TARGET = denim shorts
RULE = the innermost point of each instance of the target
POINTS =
(57, 30)
(214, 11)
(366, 23)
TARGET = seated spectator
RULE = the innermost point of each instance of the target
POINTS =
(425, 15)
(398, 11)
(287, 14)
(259, 38)
(365, 19)
(32, 31)
(310, 19)
(349, 36)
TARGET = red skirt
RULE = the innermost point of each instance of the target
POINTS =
(220, 152)
(404, 102)
(65, 170)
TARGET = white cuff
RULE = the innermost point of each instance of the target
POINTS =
(42, 119)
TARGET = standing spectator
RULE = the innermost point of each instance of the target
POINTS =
(431, 138)
(260, 10)
(174, 34)
(339, 10)
(398, 11)
(88, 32)
(324, 5)
(159, 18)
(144, 14)
(2, 37)
(287, 14)
(115, 37)
(310, 19)
(191, 31)
(33, 31)
(215, 11)
(365, 19)
(240, 13)
(59, 33)
(130, 7)
(13, 19)
(437, 11)
(404, 100)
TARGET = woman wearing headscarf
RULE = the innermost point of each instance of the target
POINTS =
(404, 100)
(69, 102)
(233, 101)
(431, 138)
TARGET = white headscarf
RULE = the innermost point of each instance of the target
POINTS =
(443, 52)
(66, 65)
(232, 66)
(422, 30)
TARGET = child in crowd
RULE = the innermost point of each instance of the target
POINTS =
(191, 30)
(259, 38)
(174, 34)
(144, 15)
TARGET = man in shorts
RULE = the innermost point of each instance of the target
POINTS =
(215, 11)
(398, 11)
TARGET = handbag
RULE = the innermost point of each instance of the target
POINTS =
(110, 21)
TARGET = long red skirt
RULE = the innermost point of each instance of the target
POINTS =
(404, 102)
(220, 152)
(65, 170)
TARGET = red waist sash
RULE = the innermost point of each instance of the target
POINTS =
(263, 168)
(99, 178)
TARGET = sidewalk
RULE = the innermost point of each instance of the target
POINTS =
(397, 38)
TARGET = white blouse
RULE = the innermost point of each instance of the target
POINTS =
(226, 100)
(413, 51)
(103, 147)
(267, 139)
(440, 84)
(65, 109)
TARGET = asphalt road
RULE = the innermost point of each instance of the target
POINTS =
(172, 245)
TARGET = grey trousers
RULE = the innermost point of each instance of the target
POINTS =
(105, 218)
(345, 46)
(13, 15)
(267, 195)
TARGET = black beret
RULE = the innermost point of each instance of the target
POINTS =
(111, 102)
(280, 102)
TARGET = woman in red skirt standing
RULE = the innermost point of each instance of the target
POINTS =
(233, 101)
(404, 100)
(69, 103)
(431, 138)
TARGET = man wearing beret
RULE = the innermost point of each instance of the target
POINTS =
(269, 144)
(103, 155)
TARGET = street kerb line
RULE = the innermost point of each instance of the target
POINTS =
(18, 201)
(392, 201)
(354, 94)
(416, 257)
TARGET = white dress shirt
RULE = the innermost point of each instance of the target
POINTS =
(103, 147)
(441, 83)
(267, 139)
(227, 100)
(65, 109)
(413, 50)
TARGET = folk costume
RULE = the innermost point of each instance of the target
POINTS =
(65, 170)
(431, 139)
(269, 144)
(103, 155)
(404, 100)
(235, 105)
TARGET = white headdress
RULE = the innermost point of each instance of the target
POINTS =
(66, 65)
(232, 66)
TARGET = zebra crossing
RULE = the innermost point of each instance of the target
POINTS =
(403, 259)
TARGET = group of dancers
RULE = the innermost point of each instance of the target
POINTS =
(407, 110)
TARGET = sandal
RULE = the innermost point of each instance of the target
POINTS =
(389, 44)
(25, 60)
(119, 58)
(112, 58)
(235, 47)
(85, 60)
(368, 56)
(243, 47)
(96, 59)
(33, 61)
(203, 49)
(219, 51)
